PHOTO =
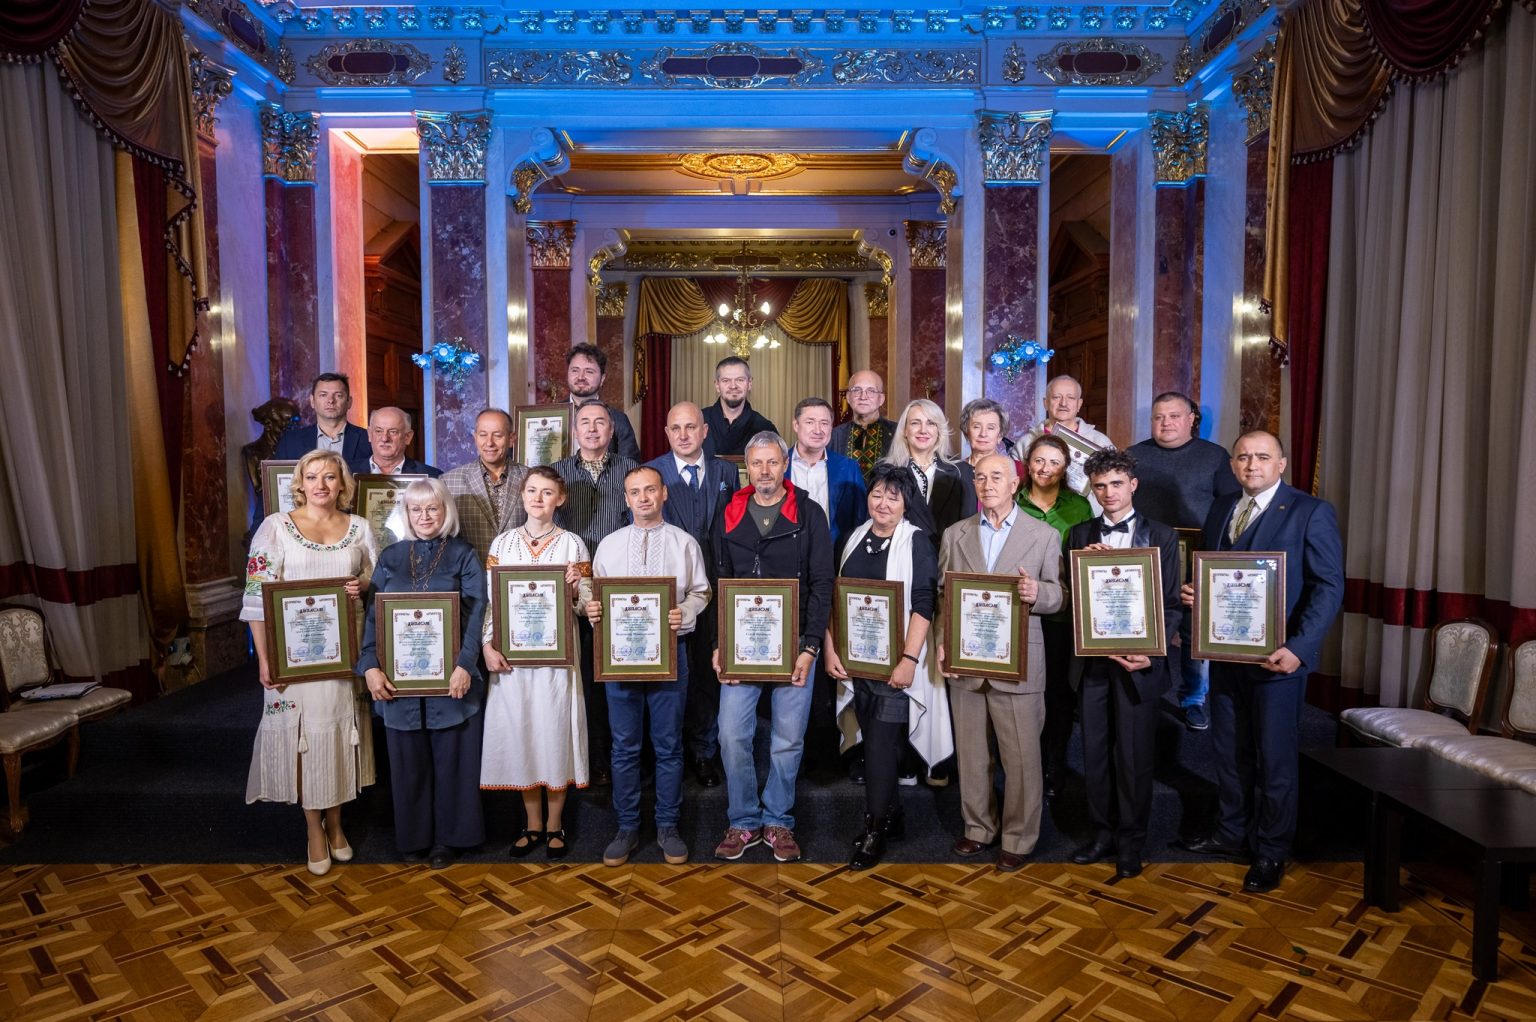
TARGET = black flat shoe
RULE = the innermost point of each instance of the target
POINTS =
(1210, 845)
(1094, 851)
(705, 773)
(1127, 867)
(443, 856)
(550, 851)
(868, 847)
(531, 838)
(1264, 875)
(894, 825)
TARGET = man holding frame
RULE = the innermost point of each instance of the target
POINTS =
(1118, 695)
(650, 547)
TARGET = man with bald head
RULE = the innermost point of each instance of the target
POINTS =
(1002, 541)
(390, 433)
(1063, 400)
(866, 438)
(697, 487)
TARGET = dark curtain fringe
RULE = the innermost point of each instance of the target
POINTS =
(1391, 15)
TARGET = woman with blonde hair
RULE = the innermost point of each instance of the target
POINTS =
(314, 744)
(946, 488)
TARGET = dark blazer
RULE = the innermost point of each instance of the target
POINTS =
(623, 442)
(1307, 529)
(799, 546)
(847, 499)
(1145, 532)
(408, 467)
(298, 441)
(953, 499)
(695, 513)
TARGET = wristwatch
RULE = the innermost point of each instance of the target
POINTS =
(811, 649)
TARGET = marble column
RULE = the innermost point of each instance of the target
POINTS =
(877, 299)
(1014, 151)
(611, 299)
(289, 141)
(1179, 155)
(927, 247)
(549, 254)
(1259, 389)
(453, 148)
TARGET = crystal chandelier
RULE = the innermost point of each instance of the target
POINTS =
(740, 325)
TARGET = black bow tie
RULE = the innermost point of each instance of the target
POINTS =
(1124, 526)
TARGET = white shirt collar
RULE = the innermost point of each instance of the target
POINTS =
(698, 463)
(1013, 513)
(1263, 497)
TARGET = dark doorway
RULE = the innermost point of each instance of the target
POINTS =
(1079, 276)
(392, 285)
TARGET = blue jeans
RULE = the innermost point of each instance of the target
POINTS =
(791, 709)
(627, 703)
(1194, 675)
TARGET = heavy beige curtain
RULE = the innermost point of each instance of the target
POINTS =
(780, 376)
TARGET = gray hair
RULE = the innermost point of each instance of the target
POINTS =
(409, 426)
(978, 406)
(423, 490)
(768, 438)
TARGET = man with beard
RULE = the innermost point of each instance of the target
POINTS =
(731, 420)
(586, 367)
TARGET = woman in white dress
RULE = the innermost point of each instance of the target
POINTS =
(312, 741)
(535, 726)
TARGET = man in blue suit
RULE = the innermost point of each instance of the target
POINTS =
(390, 433)
(331, 396)
(832, 480)
(697, 487)
(1256, 708)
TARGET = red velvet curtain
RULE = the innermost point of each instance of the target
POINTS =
(1421, 38)
(30, 27)
(776, 291)
(658, 390)
(1310, 210)
(150, 197)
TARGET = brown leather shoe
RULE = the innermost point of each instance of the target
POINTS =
(1007, 862)
(967, 848)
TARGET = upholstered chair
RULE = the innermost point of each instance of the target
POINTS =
(1460, 665)
(26, 661)
(1511, 758)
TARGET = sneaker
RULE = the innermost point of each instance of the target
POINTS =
(673, 848)
(907, 780)
(1196, 717)
(782, 841)
(618, 850)
(737, 841)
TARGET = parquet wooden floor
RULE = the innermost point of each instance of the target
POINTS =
(801, 943)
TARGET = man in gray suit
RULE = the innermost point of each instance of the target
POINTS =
(488, 491)
(1002, 541)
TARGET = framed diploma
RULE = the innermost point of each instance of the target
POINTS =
(311, 629)
(869, 625)
(1239, 605)
(418, 640)
(380, 501)
(276, 487)
(543, 433)
(741, 467)
(531, 616)
(633, 641)
(985, 627)
(1189, 542)
(1117, 603)
(1080, 446)
(759, 628)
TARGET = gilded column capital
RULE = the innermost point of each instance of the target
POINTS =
(455, 145)
(927, 242)
(611, 298)
(1254, 89)
(1014, 146)
(1179, 144)
(878, 298)
(550, 243)
(289, 141)
(210, 84)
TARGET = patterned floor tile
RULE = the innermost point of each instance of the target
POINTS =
(892, 973)
(977, 896)
(679, 899)
(566, 898)
(708, 973)
(837, 898)
(486, 974)
(178, 898)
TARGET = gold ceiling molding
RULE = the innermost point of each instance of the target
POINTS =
(768, 254)
(724, 166)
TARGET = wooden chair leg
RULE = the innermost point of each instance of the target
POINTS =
(72, 755)
(17, 817)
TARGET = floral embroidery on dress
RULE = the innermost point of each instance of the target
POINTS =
(279, 705)
(298, 537)
(258, 569)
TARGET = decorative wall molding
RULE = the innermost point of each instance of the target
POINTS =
(611, 299)
(526, 176)
(550, 243)
(927, 244)
(732, 66)
(1219, 28)
(1179, 144)
(455, 65)
(368, 62)
(1254, 90)
(235, 22)
(550, 67)
(1139, 63)
(210, 84)
(1015, 67)
(287, 69)
(1183, 65)
(934, 67)
(454, 145)
(877, 297)
(289, 142)
(1014, 146)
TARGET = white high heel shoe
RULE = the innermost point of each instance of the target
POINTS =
(322, 867)
(341, 853)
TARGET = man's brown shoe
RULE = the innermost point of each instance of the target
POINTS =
(1007, 862)
(966, 848)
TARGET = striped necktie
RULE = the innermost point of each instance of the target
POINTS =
(1241, 525)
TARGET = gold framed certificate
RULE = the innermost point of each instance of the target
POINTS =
(1189, 542)
(1117, 603)
(380, 501)
(1239, 605)
(985, 626)
(633, 641)
(543, 433)
(311, 629)
(869, 625)
(1081, 447)
(759, 628)
(418, 640)
(742, 479)
(531, 616)
(276, 486)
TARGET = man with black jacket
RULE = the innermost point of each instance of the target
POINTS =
(771, 530)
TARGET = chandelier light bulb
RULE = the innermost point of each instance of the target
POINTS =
(764, 308)
(725, 310)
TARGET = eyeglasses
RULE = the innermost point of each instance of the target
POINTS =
(864, 392)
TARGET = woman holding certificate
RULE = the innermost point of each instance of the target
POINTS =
(535, 724)
(1046, 498)
(909, 705)
(946, 489)
(313, 746)
(434, 741)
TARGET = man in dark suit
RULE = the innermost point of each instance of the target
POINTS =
(1118, 696)
(866, 438)
(390, 433)
(1256, 708)
(331, 397)
(586, 367)
(698, 486)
